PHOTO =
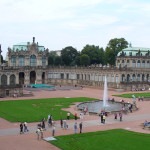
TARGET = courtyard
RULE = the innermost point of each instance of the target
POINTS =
(10, 138)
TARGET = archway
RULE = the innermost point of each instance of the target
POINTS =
(43, 77)
(21, 78)
(32, 77)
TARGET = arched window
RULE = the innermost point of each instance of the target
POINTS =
(143, 77)
(32, 60)
(43, 60)
(143, 64)
(21, 60)
(128, 78)
(122, 63)
(138, 64)
(128, 63)
(12, 79)
(147, 77)
(133, 77)
(123, 78)
(148, 64)
(3, 79)
(138, 77)
(13, 60)
(133, 63)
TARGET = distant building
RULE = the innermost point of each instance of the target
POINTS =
(28, 64)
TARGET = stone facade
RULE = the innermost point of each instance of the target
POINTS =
(28, 64)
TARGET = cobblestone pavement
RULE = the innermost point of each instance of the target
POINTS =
(10, 138)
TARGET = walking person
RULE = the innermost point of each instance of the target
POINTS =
(115, 116)
(101, 115)
(21, 128)
(104, 117)
(75, 116)
(43, 123)
(65, 124)
(68, 116)
(53, 131)
(38, 133)
(75, 128)
(25, 127)
(80, 127)
(120, 115)
(61, 123)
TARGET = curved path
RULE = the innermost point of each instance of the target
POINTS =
(11, 139)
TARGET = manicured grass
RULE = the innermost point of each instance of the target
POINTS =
(135, 94)
(117, 139)
(36, 109)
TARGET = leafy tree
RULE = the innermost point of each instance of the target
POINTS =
(57, 60)
(113, 48)
(84, 60)
(69, 55)
(51, 57)
(95, 53)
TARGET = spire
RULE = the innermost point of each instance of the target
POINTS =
(33, 39)
(130, 45)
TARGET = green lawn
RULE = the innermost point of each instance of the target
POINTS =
(136, 95)
(117, 139)
(35, 110)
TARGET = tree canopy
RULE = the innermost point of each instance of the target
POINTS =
(113, 48)
(95, 54)
(69, 55)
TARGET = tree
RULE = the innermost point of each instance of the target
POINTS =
(113, 48)
(57, 60)
(84, 60)
(51, 57)
(69, 55)
(95, 54)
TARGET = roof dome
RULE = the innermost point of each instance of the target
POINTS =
(134, 51)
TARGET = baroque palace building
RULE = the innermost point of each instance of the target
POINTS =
(28, 64)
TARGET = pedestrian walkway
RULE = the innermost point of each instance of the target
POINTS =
(88, 123)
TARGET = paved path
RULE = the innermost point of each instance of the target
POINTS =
(88, 123)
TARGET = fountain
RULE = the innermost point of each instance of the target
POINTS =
(100, 105)
(105, 95)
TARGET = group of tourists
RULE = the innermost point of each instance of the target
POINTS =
(116, 116)
(23, 127)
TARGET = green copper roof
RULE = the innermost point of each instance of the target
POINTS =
(133, 51)
(23, 46)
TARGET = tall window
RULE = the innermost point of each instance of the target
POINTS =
(32, 60)
(128, 78)
(3, 79)
(122, 63)
(21, 60)
(133, 63)
(143, 64)
(13, 60)
(138, 77)
(123, 77)
(138, 64)
(12, 79)
(128, 63)
(43, 60)
(133, 77)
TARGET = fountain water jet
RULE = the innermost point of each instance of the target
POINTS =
(105, 94)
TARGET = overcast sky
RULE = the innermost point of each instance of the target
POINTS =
(56, 24)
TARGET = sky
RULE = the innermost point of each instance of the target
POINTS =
(57, 24)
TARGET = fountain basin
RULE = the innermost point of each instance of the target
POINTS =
(97, 106)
